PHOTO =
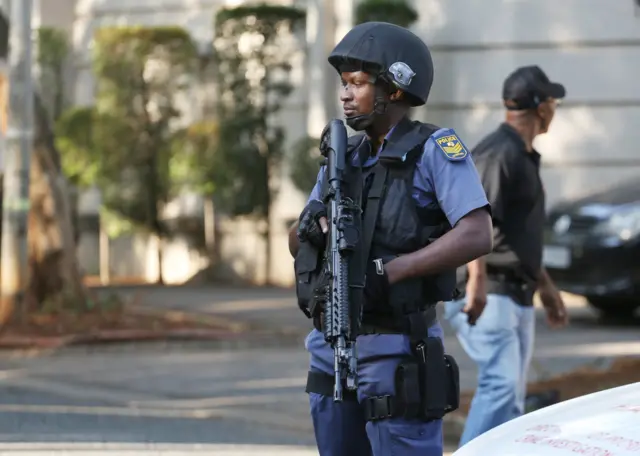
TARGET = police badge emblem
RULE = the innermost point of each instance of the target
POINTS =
(452, 147)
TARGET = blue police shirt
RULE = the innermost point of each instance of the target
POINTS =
(441, 178)
(455, 183)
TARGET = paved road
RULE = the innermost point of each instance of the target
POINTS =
(211, 398)
(587, 341)
(183, 399)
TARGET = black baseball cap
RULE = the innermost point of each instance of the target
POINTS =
(529, 86)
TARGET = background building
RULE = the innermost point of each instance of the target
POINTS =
(591, 46)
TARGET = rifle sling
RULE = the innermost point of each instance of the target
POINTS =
(374, 197)
(358, 264)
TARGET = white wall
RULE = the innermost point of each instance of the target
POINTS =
(464, 22)
(135, 257)
(58, 13)
(591, 46)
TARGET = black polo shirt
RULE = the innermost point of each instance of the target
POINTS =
(511, 178)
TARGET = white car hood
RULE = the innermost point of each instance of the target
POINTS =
(606, 423)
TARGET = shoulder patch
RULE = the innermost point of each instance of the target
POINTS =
(450, 145)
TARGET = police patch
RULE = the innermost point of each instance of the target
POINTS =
(452, 147)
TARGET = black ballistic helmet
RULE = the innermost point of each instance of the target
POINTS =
(389, 52)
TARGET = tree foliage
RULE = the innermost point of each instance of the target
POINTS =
(398, 12)
(74, 138)
(304, 163)
(53, 50)
(123, 144)
(253, 45)
(196, 164)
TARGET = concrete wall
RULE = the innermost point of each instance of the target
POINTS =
(591, 46)
(134, 257)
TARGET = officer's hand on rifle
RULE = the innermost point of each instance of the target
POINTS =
(312, 225)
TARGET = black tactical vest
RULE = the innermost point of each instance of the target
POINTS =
(385, 192)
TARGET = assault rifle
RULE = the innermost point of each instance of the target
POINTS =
(341, 319)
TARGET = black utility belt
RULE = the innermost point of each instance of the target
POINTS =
(521, 291)
(427, 386)
(497, 282)
(415, 324)
(501, 275)
(509, 283)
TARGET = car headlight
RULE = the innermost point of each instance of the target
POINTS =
(623, 224)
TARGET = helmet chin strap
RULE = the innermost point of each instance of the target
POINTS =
(364, 121)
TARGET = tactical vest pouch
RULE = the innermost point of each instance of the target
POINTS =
(439, 380)
(427, 387)
(407, 297)
(453, 384)
(408, 303)
(309, 279)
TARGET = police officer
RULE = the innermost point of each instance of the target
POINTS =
(500, 287)
(431, 216)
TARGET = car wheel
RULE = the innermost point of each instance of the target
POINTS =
(614, 307)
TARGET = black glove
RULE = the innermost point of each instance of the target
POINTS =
(309, 229)
(376, 288)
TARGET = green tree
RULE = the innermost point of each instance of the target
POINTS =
(196, 163)
(305, 156)
(253, 47)
(304, 163)
(79, 155)
(54, 274)
(399, 12)
(197, 166)
(53, 51)
(124, 144)
(140, 71)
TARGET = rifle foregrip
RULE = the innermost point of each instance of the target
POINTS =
(344, 296)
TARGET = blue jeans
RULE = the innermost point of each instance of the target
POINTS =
(501, 344)
(340, 428)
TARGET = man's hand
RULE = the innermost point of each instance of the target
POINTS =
(313, 225)
(553, 304)
(476, 298)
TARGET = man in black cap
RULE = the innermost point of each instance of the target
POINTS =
(495, 320)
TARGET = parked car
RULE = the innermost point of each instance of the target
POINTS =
(592, 248)
(605, 423)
